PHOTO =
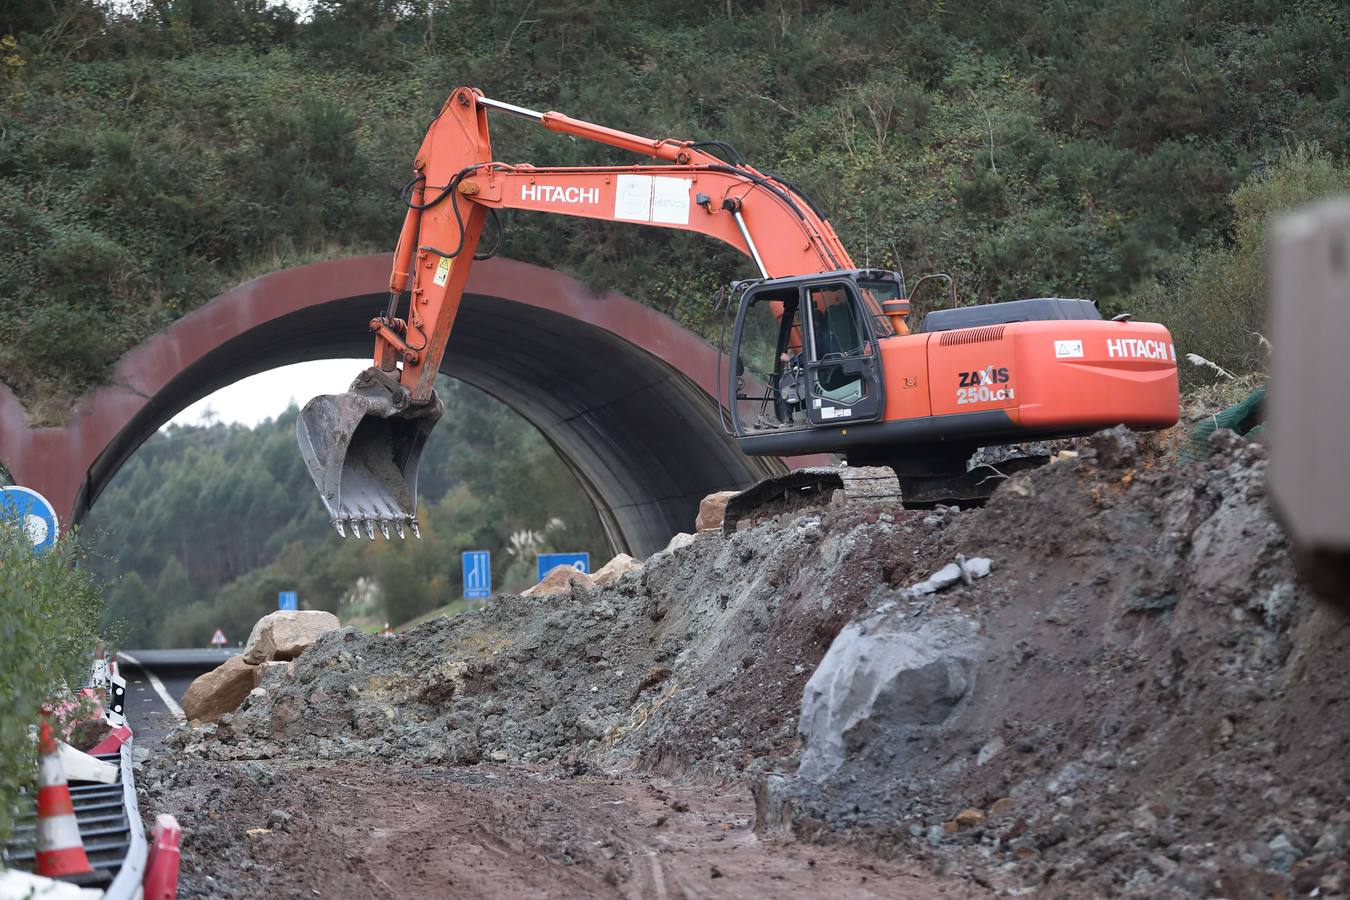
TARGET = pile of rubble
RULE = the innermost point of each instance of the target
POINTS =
(1107, 680)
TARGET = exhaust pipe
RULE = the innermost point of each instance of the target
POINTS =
(363, 449)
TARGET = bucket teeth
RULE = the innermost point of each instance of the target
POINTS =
(384, 521)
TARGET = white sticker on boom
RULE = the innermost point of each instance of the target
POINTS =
(670, 200)
(633, 198)
(1068, 349)
(652, 198)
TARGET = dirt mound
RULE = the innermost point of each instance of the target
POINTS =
(695, 663)
(1139, 698)
(1157, 708)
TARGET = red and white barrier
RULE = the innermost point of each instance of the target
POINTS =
(112, 742)
(161, 870)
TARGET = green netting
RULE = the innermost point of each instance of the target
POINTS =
(1246, 418)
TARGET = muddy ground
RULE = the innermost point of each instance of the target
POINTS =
(1139, 699)
(371, 829)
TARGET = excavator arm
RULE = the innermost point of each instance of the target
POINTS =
(362, 448)
(846, 374)
(456, 183)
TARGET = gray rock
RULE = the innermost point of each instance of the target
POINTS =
(1282, 853)
(989, 751)
(882, 677)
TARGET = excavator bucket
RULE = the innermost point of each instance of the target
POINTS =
(362, 449)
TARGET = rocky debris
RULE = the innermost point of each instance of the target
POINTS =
(1141, 719)
(712, 509)
(686, 666)
(962, 570)
(615, 569)
(284, 634)
(558, 580)
(1140, 700)
(269, 672)
(1114, 448)
(219, 691)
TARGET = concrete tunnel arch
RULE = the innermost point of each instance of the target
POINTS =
(623, 393)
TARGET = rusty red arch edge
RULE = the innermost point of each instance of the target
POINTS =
(55, 461)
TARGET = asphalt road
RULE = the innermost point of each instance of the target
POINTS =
(156, 681)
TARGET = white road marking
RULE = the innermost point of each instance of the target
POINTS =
(158, 685)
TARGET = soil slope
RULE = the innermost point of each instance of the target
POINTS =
(1139, 699)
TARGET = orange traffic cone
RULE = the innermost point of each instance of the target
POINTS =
(60, 851)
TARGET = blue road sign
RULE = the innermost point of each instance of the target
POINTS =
(287, 600)
(33, 513)
(477, 565)
(550, 561)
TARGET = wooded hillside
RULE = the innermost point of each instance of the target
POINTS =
(1122, 150)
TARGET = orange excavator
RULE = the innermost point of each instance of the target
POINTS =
(822, 355)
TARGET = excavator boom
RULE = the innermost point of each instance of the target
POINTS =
(362, 447)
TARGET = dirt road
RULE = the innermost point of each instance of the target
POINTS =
(347, 829)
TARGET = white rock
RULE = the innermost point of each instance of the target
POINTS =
(962, 570)
(679, 542)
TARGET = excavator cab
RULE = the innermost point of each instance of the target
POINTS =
(805, 351)
(362, 449)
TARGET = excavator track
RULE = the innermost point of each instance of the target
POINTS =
(832, 487)
(801, 490)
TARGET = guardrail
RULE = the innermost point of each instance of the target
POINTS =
(109, 821)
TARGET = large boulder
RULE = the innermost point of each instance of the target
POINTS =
(219, 691)
(559, 579)
(712, 509)
(882, 680)
(615, 569)
(285, 634)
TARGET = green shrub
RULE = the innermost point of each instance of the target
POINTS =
(1214, 300)
(1064, 148)
(49, 613)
